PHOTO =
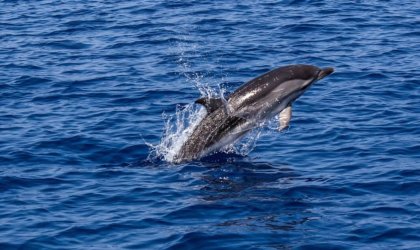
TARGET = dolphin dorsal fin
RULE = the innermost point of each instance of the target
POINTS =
(284, 117)
(211, 104)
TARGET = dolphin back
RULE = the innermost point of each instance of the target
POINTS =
(264, 84)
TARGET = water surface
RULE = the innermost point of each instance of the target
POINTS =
(84, 84)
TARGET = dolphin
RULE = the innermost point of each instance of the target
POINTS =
(256, 101)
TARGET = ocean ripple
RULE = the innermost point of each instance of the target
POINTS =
(86, 88)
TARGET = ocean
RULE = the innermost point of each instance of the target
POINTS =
(95, 97)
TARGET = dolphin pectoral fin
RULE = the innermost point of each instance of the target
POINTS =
(211, 104)
(284, 117)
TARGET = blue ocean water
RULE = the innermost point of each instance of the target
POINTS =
(86, 89)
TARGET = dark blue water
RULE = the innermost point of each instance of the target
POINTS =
(84, 84)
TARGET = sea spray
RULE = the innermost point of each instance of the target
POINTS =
(180, 125)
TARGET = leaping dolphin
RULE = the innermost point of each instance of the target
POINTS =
(260, 99)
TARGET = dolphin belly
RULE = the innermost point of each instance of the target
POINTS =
(236, 131)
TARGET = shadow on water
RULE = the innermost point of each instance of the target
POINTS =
(233, 173)
(240, 197)
(225, 197)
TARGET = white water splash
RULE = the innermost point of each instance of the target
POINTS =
(179, 126)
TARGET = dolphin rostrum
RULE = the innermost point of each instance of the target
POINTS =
(256, 101)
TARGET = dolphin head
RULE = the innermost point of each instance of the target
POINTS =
(289, 82)
(324, 72)
(302, 76)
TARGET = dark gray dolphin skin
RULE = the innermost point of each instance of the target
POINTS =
(252, 103)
